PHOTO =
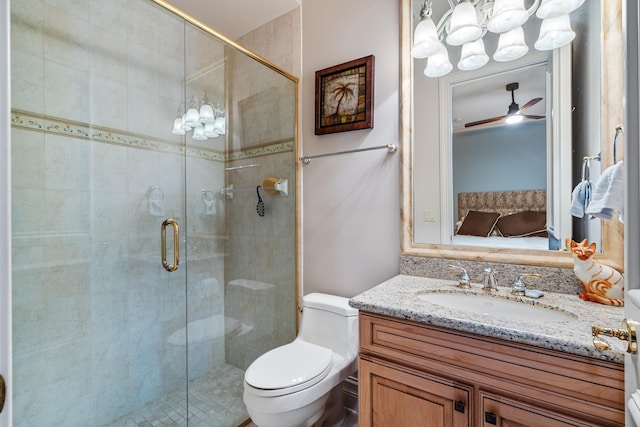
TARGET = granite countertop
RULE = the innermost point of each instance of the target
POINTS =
(397, 297)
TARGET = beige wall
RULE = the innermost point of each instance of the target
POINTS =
(351, 203)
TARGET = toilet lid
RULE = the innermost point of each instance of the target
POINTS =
(288, 366)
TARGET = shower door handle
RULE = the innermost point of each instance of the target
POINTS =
(3, 392)
(176, 245)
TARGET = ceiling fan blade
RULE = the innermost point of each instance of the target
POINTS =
(528, 116)
(529, 104)
(485, 121)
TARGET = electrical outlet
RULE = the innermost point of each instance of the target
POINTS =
(429, 215)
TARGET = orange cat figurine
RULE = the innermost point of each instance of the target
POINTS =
(601, 283)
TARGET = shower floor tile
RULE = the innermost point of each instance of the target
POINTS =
(215, 400)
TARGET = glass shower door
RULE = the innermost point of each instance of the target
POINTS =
(241, 276)
(214, 386)
(99, 326)
(103, 334)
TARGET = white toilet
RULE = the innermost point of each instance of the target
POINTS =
(299, 384)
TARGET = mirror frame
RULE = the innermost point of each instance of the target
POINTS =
(611, 113)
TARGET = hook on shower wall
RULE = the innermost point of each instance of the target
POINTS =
(208, 195)
(155, 197)
(619, 130)
(153, 190)
(273, 186)
(270, 186)
(208, 203)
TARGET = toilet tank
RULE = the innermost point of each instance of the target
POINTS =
(329, 321)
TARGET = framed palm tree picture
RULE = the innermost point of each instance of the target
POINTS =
(344, 96)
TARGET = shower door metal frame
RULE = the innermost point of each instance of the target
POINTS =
(5, 215)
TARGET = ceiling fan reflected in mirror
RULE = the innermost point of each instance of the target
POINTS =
(514, 114)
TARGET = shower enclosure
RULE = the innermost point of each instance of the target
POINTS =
(111, 191)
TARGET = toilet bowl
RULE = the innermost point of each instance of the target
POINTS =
(299, 384)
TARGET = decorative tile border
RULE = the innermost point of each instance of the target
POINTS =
(275, 148)
(54, 125)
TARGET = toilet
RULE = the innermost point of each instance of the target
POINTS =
(299, 384)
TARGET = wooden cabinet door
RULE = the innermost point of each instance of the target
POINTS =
(399, 397)
(500, 411)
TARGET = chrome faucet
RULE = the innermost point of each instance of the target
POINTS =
(463, 280)
(518, 287)
(489, 283)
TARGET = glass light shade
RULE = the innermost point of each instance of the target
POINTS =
(511, 45)
(554, 33)
(184, 126)
(209, 131)
(513, 119)
(219, 126)
(438, 64)
(425, 39)
(206, 114)
(178, 128)
(507, 15)
(554, 8)
(198, 133)
(464, 27)
(473, 56)
(192, 117)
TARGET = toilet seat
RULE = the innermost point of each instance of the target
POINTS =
(289, 368)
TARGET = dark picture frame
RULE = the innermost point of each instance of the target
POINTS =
(344, 96)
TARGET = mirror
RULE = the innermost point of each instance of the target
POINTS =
(502, 167)
(430, 162)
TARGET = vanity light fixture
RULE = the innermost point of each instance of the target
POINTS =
(438, 64)
(473, 55)
(206, 120)
(464, 26)
(553, 8)
(553, 32)
(511, 45)
(466, 23)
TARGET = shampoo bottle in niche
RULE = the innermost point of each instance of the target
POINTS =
(600, 282)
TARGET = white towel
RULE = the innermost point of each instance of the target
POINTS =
(580, 199)
(608, 194)
(156, 207)
(209, 207)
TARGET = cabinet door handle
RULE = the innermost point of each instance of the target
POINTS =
(176, 245)
(490, 418)
(3, 392)
(459, 406)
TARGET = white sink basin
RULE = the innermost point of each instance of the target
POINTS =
(496, 307)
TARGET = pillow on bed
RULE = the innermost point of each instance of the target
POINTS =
(523, 224)
(478, 223)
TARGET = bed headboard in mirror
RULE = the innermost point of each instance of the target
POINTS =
(431, 174)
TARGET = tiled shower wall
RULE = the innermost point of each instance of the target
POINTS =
(262, 249)
(261, 266)
(278, 41)
(95, 88)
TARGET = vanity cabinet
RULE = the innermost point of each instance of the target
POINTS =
(414, 374)
(406, 397)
